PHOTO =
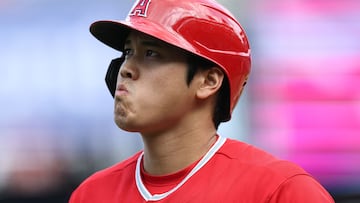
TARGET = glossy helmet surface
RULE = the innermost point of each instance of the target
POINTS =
(202, 27)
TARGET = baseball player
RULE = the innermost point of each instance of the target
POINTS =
(183, 67)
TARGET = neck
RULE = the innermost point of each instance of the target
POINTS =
(169, 152)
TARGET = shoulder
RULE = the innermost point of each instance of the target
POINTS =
(301, 188)
(266, 174)
(104, 181)
(114, 170)
(244, 153)
(248, 155)
(255, 164)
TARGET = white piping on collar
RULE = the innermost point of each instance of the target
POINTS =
(149, 197)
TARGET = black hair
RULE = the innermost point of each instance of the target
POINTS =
(222, 107)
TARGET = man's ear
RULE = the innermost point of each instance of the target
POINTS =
(210, 82)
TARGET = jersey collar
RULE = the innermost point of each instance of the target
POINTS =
(149, 197)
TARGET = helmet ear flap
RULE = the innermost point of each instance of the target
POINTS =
(112, 74)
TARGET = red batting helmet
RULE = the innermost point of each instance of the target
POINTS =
(202, 27)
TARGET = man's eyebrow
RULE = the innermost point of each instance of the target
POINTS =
(151, 43)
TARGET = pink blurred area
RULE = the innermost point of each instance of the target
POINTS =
(302, 101)
(306, 88)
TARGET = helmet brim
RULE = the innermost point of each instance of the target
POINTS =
(114, 33)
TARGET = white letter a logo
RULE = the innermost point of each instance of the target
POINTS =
(140, 8)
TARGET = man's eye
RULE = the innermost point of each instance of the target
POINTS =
(127, 52)
(151, 53)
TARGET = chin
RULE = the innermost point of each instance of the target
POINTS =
(125, 126)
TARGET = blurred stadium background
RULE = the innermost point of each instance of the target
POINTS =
(56, 122)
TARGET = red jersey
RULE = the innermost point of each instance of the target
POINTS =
(231, 171)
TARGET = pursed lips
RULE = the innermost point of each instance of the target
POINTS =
(121, 90)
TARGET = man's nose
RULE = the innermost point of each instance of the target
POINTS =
(129, 69)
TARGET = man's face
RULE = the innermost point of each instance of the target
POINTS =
(152, 94)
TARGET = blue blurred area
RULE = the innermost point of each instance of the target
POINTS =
(56, 124)
(56, 120)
